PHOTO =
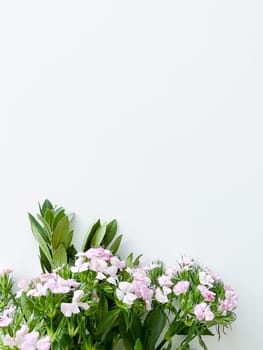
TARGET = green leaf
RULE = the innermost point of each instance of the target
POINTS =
(98, 236)
(107, 323)
(202, 343)
(26, 305)
(35, 225)
(68, 239)
(87, 240)
(39, 236)
(46, 228)
(102, 308)
(154, 325)
(61, 232)
(59, 213)
(136, 327)
(192, 333)
(49, 217)
(116, 244)
(129, 260)
(137, 260)
(176, 327)
(111, 230)
(60, 256)
(138, 345)
(45, 264)
(125, 333)
(45, 206)
(71, 253)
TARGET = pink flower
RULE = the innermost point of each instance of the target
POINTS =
(80, 265)
(161, 295)
(125, 293)
(98, 264)
(230, 301)
(171, 271)
(206, 279)
(52, 282)
(203, 312)
(165, 280)
(142, 291)
(27, 341)
(100, 253)
(4, 319)
(44, 343)
(73, 308)
(69, 308)
(181, 287)
(186, 262)
(120, 264)
(206, 293)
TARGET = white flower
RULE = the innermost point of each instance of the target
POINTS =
(125, 293)
(206, 279)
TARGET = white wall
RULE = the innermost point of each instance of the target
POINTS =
(147, 111)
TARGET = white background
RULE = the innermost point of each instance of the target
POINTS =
(147, 111)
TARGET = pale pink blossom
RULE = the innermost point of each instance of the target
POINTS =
(52, 282)
(206, 279)
(80, 265)
(230, 301)
(181, 287)
(203, 312)
(142, 291)
(5, 320)
(100, 253)
(161, 294)
(125, 293)
(120, 264)
(73, 308)
(206, 293)
(186, 262)
(69, 308)
(98, 265)
(171, 271)
(43, 343)
(141, 274)
(165, 280)
(25, 340)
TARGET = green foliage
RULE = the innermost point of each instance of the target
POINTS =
(118, 299)
(51, 230)
(102, 235)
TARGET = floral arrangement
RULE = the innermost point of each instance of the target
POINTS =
(94, 299)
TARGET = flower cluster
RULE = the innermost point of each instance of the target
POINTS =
(94, 299)
(26, 340)
(52, 282)
(100, 283)
(102, 262)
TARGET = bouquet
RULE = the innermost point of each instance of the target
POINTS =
(95, 299)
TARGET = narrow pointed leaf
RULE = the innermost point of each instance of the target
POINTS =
(46, 205)
(138, 345)
(107, 322)
(87, 240)
(154, 325)
(38, 234)
(60, 256)
(61, 232)
(98, 236)
(111, 230)
(116, 244)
